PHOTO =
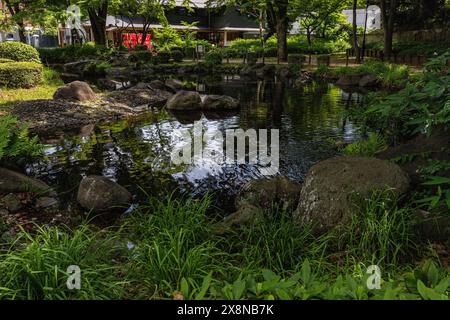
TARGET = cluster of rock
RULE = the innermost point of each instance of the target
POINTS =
(325, 198)
(191, 100)
(363, 80)
(19, 193)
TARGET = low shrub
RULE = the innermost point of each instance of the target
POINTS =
(252, 58)
(20, 74)
(18, 51)
(213, 58)
(141, 47)
(4, 60)
(141, 56)
(296, 59)
(163, 56)
(177, 55)
(96, 69)
(74, 52)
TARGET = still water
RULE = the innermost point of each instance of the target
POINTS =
(137, 153)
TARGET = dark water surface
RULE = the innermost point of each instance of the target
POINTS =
(136, 153)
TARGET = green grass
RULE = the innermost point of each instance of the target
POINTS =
(390, 75)
(10, 97)
(168, 247)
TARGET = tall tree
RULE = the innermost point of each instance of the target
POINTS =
(388, 14)
(313, 15)
(45, 14)
(278, 19)
(97, 11)
(355, 32)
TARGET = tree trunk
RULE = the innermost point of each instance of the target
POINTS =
(355, 33)
(308, 36)
(21, 30)
(98, 16)
(282, 40)
(388, 17)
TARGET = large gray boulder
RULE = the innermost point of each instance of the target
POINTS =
(216, 102)
(369, 81)
(330, 186)
(350, 80)
(185, 101)
(14, 182)
(174, 85)
(98, 194)
(75, 91)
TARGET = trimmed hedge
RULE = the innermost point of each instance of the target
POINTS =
(18, 51)
(20, 74)
(4, 60)
(74, 52)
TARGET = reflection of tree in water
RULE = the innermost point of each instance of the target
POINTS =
(137, 153)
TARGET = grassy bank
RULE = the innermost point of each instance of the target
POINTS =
(168, 249)
(10, 97)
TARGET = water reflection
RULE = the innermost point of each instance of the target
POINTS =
(137, 153)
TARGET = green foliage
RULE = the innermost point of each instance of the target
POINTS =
(213, 58)
(15, 143)
(172, 240)
(3, 60)
(96, 69)
(20, 74)
(308, 284)
(163, 56)
(141, 47)
(296, 45)
(74, 52)
(429, 49)
(36, 266)
(18, 51)
(441, 196)
(177, 55)
(421, 106)
(380, 232)
(144, 56)
(390, 75)
(367, 148)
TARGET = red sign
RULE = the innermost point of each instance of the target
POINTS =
(131, 40)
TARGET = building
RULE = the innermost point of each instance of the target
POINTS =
(35, 36)
(217, 24)
(373, 19)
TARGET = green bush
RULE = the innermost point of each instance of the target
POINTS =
(96, 69)
(74, 52)
(141, 56)
(296, 45)
(163, 56)
(213, 58)
(20, 74)
(4, 60)
(141, 47)
(15, 143)
(296, 59)
(18, 51)
(252, 58)
(177, 55)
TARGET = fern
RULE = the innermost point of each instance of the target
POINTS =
(15, 142)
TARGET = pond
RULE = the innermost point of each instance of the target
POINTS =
(136, 153)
